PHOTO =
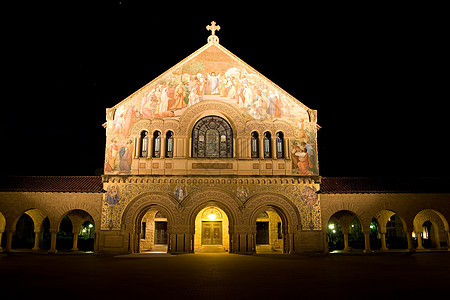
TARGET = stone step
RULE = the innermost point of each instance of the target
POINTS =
(265, 249)
(159, 248)
(211, 249)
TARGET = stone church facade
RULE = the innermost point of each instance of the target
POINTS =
(213, 154)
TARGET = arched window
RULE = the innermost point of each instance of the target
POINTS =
(169, 144)
(157, 144)
(267, 145)
(280, 145)
(255, 145)
(212, 137)
(144, 144)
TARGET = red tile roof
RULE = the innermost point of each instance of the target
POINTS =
(328, 185)
(69, 184)
(348, 185)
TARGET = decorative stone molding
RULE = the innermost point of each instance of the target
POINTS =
(163, 202)
(258, 202)
(210, 107)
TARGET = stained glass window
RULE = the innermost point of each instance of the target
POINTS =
(255, 145)
(267, 145)
(212, 137)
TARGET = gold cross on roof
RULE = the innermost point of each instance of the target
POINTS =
(213, 27)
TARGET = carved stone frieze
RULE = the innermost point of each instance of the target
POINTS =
(210, 108)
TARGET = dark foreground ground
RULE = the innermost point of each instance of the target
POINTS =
(225, 276)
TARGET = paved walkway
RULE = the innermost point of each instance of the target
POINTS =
(225, 276)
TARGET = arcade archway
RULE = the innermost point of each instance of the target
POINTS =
(431, 230)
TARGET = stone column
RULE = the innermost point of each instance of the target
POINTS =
(1, 233)
(163, 147)
(419, 241)
(274, 147)
(253, 248)
(96, 240)
(75, 241)
(291, 243)
(52, 249)
(169, 242)
(150, 148)
(286, 149)
(437, 238)
(9, 236)
(137, 147)
(261, 147)
(383, 241)
(367, 242)
(346, 247)
(447, 233)
(36, 240)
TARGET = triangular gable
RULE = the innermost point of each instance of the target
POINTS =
(235, 75)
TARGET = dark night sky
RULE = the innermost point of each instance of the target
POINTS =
(372, 72)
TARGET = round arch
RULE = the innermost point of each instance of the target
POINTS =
(364, 216)
(212, 137)
(265, 208)
(392, 234)
(139, 206)
(167, 203)
(197, 201)
(210, 107)
(286, 210)
(340, 225)
(37, 214)
(36, 217)
(437, 234)
(279, 202)
(78, 217)
(228, 203)
(192, 214)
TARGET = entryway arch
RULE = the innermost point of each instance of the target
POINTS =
(212, 231)
(225, 202)
(152, 229)
(138, 208)
(202, 224)
(271, 230)
(285, 210)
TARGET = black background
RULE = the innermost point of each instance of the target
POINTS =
(376, 75)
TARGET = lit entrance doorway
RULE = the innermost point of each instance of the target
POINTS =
(269, 232)
(211, 231)
(153, 234)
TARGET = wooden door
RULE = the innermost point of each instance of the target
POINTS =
(262, 233)
(212, 233)
(160, 232)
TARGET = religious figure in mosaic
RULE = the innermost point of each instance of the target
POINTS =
(309, 195)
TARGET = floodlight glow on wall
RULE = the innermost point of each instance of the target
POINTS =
(212, 216)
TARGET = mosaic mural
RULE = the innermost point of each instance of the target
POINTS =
(211, 73)
(118, 196)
